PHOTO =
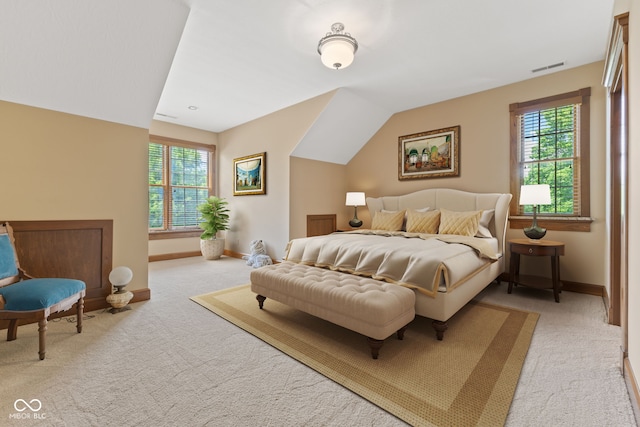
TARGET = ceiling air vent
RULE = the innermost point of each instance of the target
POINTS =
(166, 115)
(548, 67)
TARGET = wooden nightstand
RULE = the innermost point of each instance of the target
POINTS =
(536, 248)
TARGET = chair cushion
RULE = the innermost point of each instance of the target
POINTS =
(37, 294)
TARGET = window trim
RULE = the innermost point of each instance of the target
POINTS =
(581, 222)
(187, 231)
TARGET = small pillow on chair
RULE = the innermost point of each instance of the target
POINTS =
(36, 294)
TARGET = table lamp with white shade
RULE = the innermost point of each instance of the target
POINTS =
(355, 199)
(537, 194)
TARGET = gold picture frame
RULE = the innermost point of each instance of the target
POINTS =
(250, 175)
(432, 154)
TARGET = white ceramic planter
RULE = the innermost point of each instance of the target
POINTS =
(212, 248)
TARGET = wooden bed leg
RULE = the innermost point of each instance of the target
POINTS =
(400, 332)
(375, 346)
(440, 327)
(260, 299)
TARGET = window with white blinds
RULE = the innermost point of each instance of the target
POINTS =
(550, 145)
(180, 178)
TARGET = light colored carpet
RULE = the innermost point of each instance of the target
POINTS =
(466, 379)
(169, 362)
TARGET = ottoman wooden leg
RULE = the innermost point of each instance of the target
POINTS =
(440, 328)
(260, 299)
(400, 332)
(375, 346)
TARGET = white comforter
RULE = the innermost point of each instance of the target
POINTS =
(418, 261)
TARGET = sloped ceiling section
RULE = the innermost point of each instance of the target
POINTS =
(101, 59)
(344, 126)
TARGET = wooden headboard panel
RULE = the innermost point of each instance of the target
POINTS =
(76, 249)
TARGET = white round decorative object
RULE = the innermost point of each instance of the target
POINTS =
(120, 276)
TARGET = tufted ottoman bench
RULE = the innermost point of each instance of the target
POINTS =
(370, 307)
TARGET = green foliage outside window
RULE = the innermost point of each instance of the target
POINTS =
(548, 155)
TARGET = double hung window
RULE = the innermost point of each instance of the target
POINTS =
(180, 178)
(550, 145)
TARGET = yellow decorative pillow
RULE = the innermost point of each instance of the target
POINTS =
(460, 223)
(389, 221)
(423, 222)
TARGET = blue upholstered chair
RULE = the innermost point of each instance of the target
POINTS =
(24, 298)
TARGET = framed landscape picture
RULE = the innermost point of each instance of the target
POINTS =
(249, 175)
(431, 154)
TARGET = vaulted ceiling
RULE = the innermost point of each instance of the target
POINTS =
(216, 64)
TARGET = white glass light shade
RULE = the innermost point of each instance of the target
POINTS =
(538, 194)
(337, 53)
(355, 199)
(120, 276)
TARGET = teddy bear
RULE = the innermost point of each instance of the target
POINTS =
(258, 257)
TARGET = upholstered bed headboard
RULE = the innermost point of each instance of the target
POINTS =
(453, 200)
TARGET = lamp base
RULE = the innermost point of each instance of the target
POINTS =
(114, 310)
(535, 232)
(119, 300)
(355, 223)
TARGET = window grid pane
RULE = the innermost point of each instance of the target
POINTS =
(189, 167)
(156, 187)
(156, 207)
(184, 203)
(156, 164)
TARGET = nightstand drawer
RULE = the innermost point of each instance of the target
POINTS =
(536, 248)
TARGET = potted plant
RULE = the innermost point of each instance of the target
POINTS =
(214, 216)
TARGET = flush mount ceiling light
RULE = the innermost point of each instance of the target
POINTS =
(337, 48)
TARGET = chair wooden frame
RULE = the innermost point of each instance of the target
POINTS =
(41, 315)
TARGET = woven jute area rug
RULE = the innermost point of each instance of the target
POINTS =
(467, 379)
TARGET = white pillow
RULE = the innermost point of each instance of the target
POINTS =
(483, 225)
(417, 210)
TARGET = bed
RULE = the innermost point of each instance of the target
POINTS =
(445, 244)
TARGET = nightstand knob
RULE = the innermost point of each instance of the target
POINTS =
(530, 250)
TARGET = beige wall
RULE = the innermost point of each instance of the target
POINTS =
(484, 158)
(266, 216)
(634, 186)
(317, 188)
(169, 130)
(58, 166)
